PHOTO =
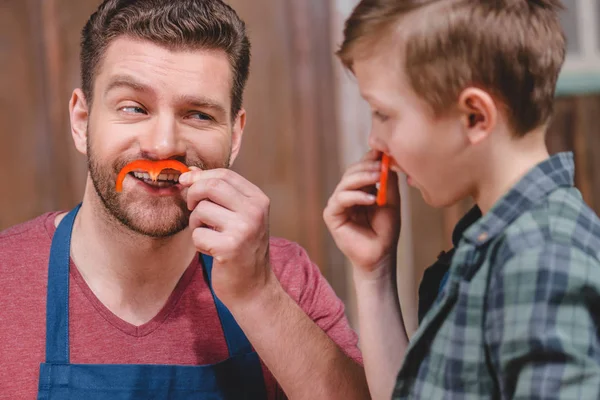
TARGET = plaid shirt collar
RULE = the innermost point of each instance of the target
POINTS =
(557, 171)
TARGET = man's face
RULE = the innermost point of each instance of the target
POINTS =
(431, 151)
(151, 103)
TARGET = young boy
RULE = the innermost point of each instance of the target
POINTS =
(461, 94)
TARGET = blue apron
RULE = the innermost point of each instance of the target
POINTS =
(238, 377)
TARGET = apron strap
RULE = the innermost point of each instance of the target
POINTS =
(237, 342)
(57, 299)
(57, 302)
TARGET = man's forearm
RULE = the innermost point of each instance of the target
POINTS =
(383, 338)
(304, 360)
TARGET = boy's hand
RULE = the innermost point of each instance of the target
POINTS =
(365, 233)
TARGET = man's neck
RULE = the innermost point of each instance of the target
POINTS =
(132, 275)
(510, 161)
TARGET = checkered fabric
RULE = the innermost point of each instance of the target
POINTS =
(519, 316)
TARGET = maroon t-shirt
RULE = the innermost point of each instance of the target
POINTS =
(187, 330)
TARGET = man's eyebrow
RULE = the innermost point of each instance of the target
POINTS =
(202, 102)
(127, 81)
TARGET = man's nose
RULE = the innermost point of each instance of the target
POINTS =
(163, 141)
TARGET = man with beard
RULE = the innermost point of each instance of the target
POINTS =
(168, 288)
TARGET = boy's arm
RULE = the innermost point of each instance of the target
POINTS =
(542, 324)
(383, 335)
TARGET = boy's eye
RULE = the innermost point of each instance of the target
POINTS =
(379, 116)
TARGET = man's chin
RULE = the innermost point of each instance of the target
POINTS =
(155, 221)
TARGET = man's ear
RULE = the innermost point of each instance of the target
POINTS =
(479, 114)
(79, 114)
(236, 136)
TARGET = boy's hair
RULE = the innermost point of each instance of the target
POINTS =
(178, 25)
(514, 49)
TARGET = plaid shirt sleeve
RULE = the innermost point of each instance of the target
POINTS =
(541, 328)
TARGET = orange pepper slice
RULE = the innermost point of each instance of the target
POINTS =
(383, 180)
(153, 168)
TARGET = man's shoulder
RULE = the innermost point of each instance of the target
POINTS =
(293, 266)
(285, 254)
(34, 226)
(30, 237)
(284, 247)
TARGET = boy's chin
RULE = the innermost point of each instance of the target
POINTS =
(439, 200)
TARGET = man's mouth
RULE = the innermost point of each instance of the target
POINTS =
(167, 179)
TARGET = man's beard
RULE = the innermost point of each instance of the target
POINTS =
(152, 216)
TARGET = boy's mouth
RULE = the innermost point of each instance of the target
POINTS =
(397, 169)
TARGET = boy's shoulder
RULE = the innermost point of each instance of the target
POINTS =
(563, 219)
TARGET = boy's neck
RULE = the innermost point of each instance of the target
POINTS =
(509, 160)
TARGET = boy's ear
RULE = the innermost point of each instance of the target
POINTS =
(479, 114)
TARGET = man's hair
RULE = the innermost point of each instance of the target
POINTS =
(173, 24)
(514, 49)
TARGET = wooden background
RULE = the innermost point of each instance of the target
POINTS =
(306, 123)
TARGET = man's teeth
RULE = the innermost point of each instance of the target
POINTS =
(162, 177)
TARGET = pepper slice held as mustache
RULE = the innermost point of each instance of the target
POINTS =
(153, 168)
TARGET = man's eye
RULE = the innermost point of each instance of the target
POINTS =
(133, 110)
(200, 116)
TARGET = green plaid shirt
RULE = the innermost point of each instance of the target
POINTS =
(519, 316)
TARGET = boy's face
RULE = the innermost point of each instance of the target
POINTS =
(431, 151)
(153, 103)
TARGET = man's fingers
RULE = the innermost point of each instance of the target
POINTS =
(218, 191)
(240, 183)
(211, 215)
(207, 241)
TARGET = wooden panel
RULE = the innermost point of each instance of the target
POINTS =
(590, 125)
(287, 150)
(269, 136)
(574, 128)
(22, 120)
(41, 63)
(316, 131)
(70, 17)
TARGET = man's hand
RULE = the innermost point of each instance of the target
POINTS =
(230, 222)
(365, 233)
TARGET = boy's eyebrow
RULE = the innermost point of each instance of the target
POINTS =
(368, 98)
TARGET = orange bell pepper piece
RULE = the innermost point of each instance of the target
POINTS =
(153, 168)
(383, 180)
